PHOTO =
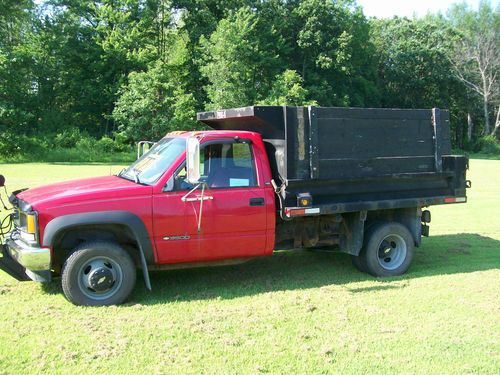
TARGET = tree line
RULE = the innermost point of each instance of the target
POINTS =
(136, 69)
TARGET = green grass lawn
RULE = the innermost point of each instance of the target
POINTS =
(294, 312)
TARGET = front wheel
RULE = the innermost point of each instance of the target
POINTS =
(388, 250)
(98, 274)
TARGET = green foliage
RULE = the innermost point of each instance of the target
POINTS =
(237, 68)
(476, 54)
(68, 138)
(334, 53)
(15, 145)
(81, 155)
(136, 69)
(488, 144)
(155, 101)
(67, 146)
(17, 101)
(287, 90)
(414, 70)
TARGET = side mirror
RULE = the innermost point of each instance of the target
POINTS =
(193, 160)
(169, 186)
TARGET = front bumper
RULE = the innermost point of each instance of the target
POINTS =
(23, 261)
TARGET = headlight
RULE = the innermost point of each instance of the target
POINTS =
(27, 223)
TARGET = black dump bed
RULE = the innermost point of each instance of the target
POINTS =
(354, 158)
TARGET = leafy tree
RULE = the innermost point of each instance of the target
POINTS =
(199, 18)
(88, 66)
(287, 90)
(17, 89)
(85, 51)
(134, 31)
(155, 101)
(238, 67)
(476, 56)
(414, 70)
(333, 53)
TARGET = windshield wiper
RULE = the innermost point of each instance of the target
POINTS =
(124, 175)
(135, 176)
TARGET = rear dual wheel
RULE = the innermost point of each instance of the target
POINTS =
(98, 274)
(387, 251)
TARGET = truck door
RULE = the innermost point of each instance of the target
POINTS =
(234, 212)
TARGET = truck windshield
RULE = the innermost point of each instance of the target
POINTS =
(150, 166)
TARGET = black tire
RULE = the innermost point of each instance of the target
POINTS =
(358, 263)
(388, 250)
(98, 274)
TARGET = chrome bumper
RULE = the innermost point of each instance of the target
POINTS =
(31, 258)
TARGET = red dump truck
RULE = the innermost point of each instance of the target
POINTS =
(267, 177)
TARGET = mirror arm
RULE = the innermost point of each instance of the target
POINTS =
(201, 199)
(201, 206)
(185, 197)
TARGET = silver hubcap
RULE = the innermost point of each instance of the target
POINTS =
(392, 252)
(100, 278)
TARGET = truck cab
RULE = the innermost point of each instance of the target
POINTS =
(149, 215)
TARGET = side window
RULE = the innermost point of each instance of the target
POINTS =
(228, 165)
(222, 165)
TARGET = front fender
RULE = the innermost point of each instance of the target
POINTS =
(128, 219)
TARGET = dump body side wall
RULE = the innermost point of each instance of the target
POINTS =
(355, 143)
(352, 159)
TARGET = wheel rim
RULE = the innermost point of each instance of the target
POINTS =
(392, 252)
(100, 278)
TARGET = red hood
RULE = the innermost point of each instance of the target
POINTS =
(90, 189)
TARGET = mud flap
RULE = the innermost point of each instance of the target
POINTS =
(351, 232)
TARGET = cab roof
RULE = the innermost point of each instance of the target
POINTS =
(213, 134)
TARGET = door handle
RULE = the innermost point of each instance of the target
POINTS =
(194, 199)
(256, 201)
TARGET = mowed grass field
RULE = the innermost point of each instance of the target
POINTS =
(295, 312)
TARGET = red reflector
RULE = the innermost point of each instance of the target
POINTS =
(298, 212)
(450, 200)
